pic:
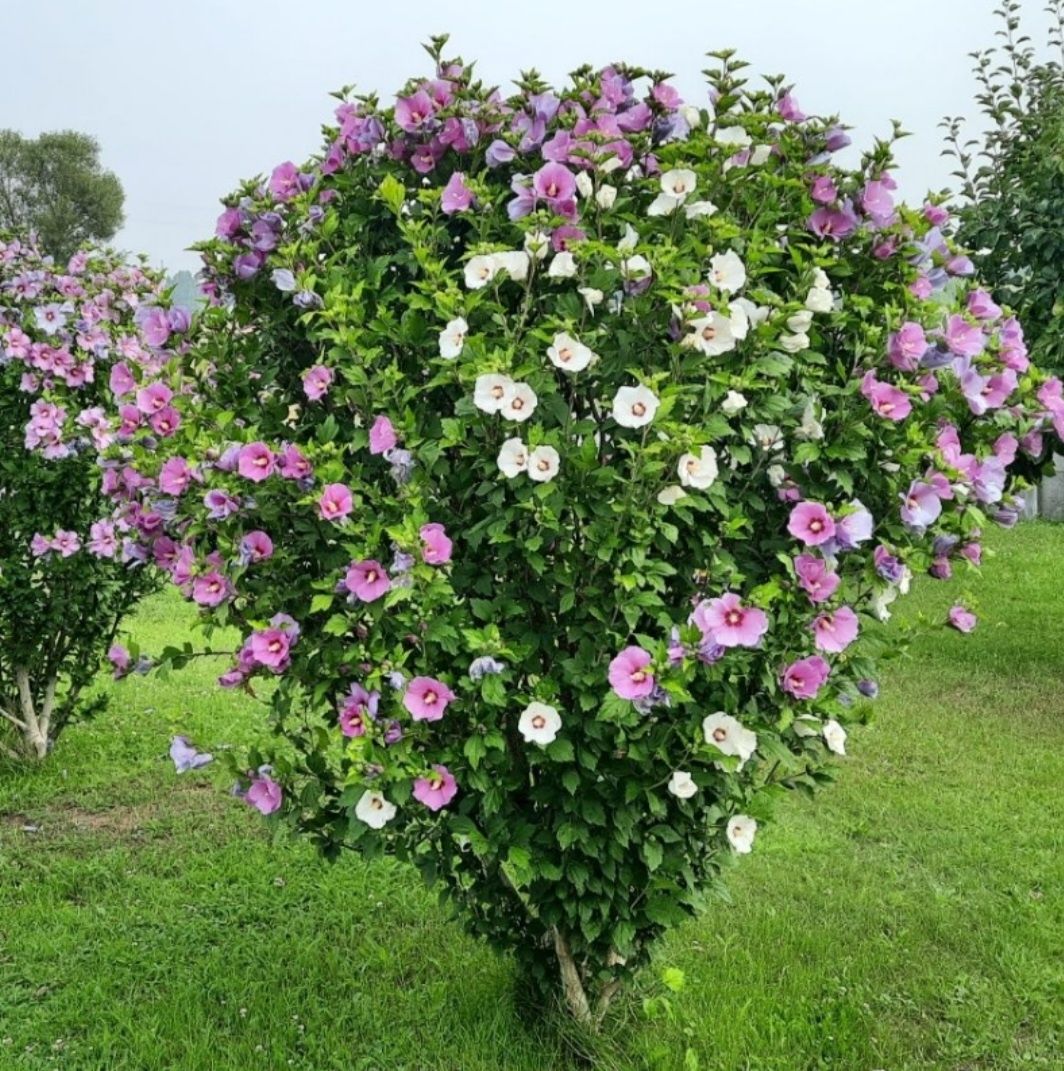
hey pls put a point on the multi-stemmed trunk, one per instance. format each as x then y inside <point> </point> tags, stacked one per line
<point>585,1009</point>
<point>31,716</point>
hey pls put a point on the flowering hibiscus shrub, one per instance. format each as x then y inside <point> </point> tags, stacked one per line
<point>73,340</point>
<point>554,451</point>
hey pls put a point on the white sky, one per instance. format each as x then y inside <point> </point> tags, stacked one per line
<point>187,97</point>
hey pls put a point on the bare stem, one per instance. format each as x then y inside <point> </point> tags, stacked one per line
<point>572,986</point>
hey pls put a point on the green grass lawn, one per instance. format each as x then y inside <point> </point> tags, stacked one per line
<point>911,918</point>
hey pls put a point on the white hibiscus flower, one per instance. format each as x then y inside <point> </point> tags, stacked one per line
<point>881,600</point>
<point>794,343</point>
<point>562,266</point>
<point>768,437</point>
<point>543,464</point>
<point>835,736</point>
<point>480,270</point>
<point>591,296</point>
<point>520,403</point>
<point>669,496</point>
<point>627,243</point>
<point>756,314</point>
<point>452,338</point>
<point>539,723</point>
<point>634,407</point>
<point>515,263</point>
<point>738,320</point>
<point>513,458</point>
<point>676,186</point>
<point>800,322</point>
<point>636,269</point>
<point>699,470</point>
<point>491,391</point>
<point>373,809</point>
<point>733,403</point>
<point>568,354</point>
<point>727,271</point>
<point>606,197</point>
<point>681,785</point>
<point>819,300</point>
<point>734,136</point>
<point>537,244</point>
<point>711,334</point>
<point>699,209</point>
<point>810,428</point>
<point>729,737</point>
<point>776,474</point>
<point>740,830</point>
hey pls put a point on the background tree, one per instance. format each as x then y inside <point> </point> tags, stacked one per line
<point>56,187</point>
<point>67,573</point>
<point>1012,208</point>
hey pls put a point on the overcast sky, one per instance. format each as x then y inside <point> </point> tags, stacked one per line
<point>187,98</point>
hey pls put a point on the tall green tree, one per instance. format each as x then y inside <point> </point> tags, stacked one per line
<point>1012,177</point>
<point>55,186</point>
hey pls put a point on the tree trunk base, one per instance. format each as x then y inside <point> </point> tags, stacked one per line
<point>573,990</point>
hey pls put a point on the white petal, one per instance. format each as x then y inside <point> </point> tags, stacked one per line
<point>520,404</point>
<point>480,270</point>
<point>537,243</point>
<point>514,263</point>
<point>681,785</point>
<point>835,737</point>
<point>568,354</point>
<point>373,809</point>
<point>539,723</point>
<point>699,209</point>
<point>727,271</point>
<point>663,205</point>
<point>733,135</point>
<point>634,407</point>
<point>543,464</point>
<point>562,266</point>
<point>627,243</point>
<point>669,496</point>
<point>740,831</point>
<point>492,391</point>
<point>513,458</point>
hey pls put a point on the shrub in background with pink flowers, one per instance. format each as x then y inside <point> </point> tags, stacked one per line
<point>560,452</point>
<point>83,346</point>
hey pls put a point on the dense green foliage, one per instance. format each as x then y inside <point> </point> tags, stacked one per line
<point>907,919</point>
<point>1012,179</point>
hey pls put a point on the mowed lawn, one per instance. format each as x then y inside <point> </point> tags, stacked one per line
<point>912,917</point>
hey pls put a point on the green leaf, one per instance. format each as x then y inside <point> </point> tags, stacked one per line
<point>392,192</point>
<point>560,750</point>
<point>652,853</point>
